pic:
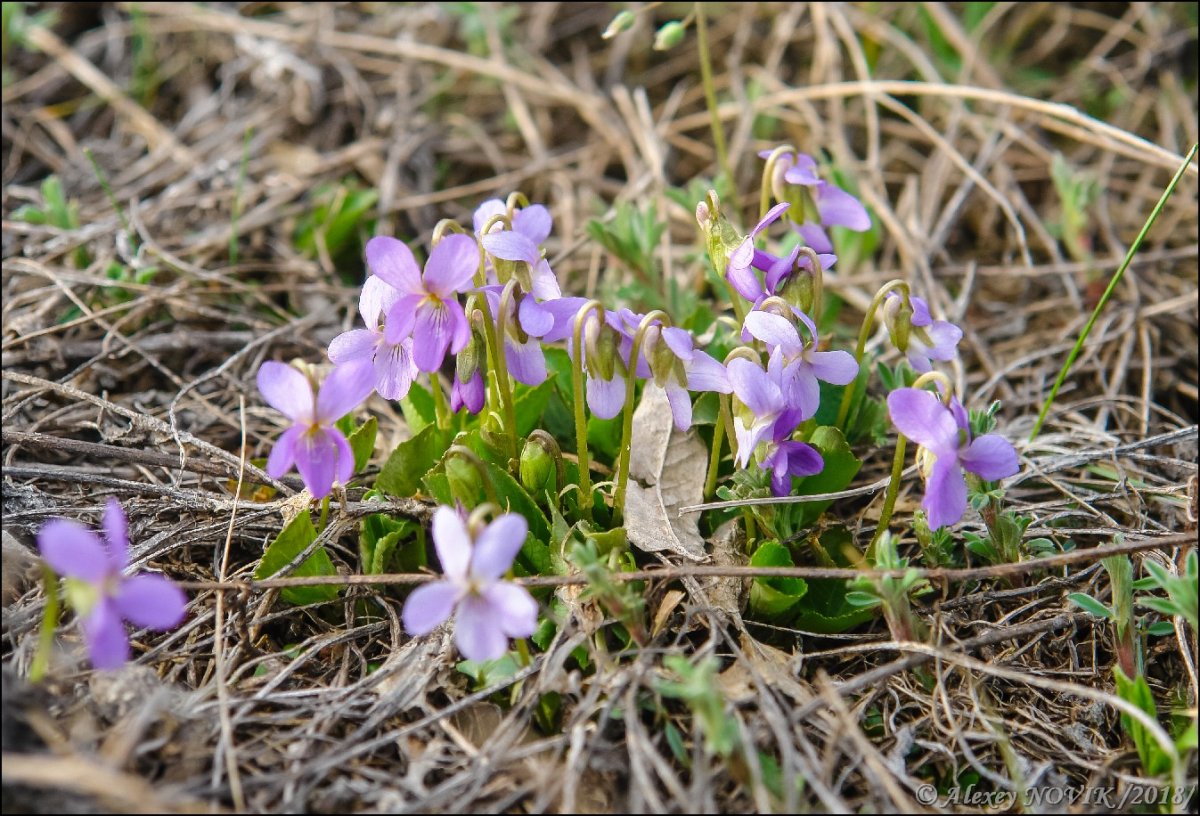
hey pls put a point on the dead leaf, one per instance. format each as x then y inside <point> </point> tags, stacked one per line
<point>666,472</point>
<point>669,602</point>
<point>728,594</point>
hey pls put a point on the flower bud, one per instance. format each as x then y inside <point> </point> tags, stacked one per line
<point>622,22</point>
<point>602,351</point>
<point>537,469</point>
<point>898,319</point>
<point>797,290</point>
<point>669,35</point>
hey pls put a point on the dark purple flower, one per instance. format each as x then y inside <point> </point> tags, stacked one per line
<point>427,307</point>
<point>100,592</point>
<point>393,363</point>
<point>489,610</point>
<point>471,393</point>
<point>318,450</point>
<point>818,204</point>
<point>785,459</point>
<point>803,365</point>
<point>944,435</point>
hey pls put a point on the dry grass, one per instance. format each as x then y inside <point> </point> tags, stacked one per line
<point>145,390</point>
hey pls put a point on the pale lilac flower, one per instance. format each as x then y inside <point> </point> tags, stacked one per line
<point>522,244</point>
<point>606,365</point>
<point>928,339</point>
<point>427,307</point>
<point>803,364</point>
<point>489,610</point>
<point>945,436</point>
<point>318,450</point>
<point>746,259</point>
<point>522,350</point>
<point>392,363</point>
<point>100,592</point>
<point>678,367</point>
<point>819,203</point>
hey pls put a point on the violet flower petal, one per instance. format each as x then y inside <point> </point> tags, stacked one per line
<point>104,632</point>
<point>680,342</point>
<point>451,265</point>
<point>486,211</point>
<point>287,391</point>
<point>394,370</point>
<point>945,493</point>
<point>452,543</point>
<point>535,319</point>
<point>497,546</point>
<point>814,235</point>
<point>534,222</point>
<point>839,208</point>
<point>774,330</point>
<point>151,601</point>
<point>922,417</point>
<point>990,457</point>
<point>401,317</point>
<point>526,361</point>
<point>606,398</point>
<point>344,389</point>
<point>836,367</point>
<point>704,373</point>
<point>477,630</point>
<point>945,337</point>
<point>681,405</point>
<point>433,332</point>
<point>512,246</point>
<point>393,262</point>
<point>429,606</point>
<point>344,453</point>
<point>375,300</point>
<point>353,345</point>
<point>73,550</point>
<point>316,459</point>
<point>515,610</point>
<point>116,535</point>
<point>753,387</point>
<point>803,171</point>
<point>283,455</point>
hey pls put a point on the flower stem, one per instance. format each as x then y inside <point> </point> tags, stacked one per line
<point>658,315</point>
<point>440,409</point>
<point>889,498</point>
<point>714,458</point>
<point>523,652</point>
<point>710,92</point>
<point>936,376</point>
<point>764,196</point>
<point>41,658</point>
<point>324,519</point>
<point>581,448</point>
<point>863,334</point>
<point>506,397</point>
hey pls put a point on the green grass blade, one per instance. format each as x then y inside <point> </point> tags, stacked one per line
<point>1112,285</point>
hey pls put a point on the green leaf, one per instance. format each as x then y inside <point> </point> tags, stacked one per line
<point>412,459</point>
<point>1160,629</point>
<point>1137,691</point>
<point>604,436</point>
<point>29,213</point>
<point>841,466</point>
<point>528,405</point>
<point>773,597</point>
<point>418,409</point>
<point>287,545</point>
<point>362,442</point>
<point>1090,605</point>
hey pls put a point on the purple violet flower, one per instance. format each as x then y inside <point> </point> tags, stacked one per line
<point>945,437</point>
<point>819,203</point>
<point>803,364</point>
<point>471,393</point>
<point>522,244</point>
<point>489,610</point>
<point>745,259</point>
<point>522,350</point>
<point>318,450</point>
<point>928,339</point>
<point>763,394</point>
<point>678,367</point>
<point>99,591</point>
<point>785,459</point>
<point>392,363</point>
<point>427,307</point>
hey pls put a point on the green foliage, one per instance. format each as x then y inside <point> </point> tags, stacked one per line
<point>384,540</point>
<point>286,547</point>
<point>697,687</point>
<point>632,236</point>
<point>473,28</point>
<point>1155,761</point>
<point>623,600</point>
<point>362,442</point>
<point>891,594</point>
<point>1181,590</point>
<point>412,459</point>
<point>1077,192</point>
<point>418,409</point>
<point>771,598</point>
<point>337,220</point>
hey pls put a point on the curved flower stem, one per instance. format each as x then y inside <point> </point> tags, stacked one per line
<point>658,315</point>
<point>324,519</point>
<point>863,334</point>
<point>714,458</point>
<point>581,448</point>
<point>936,376</point>
<point>470,457</point>
<point>727,422</point>
<point>441,228</point>
<point>506,397</point>
<point>41,658</point>
<point>710,92</point>
<point>818,275</point>
<point>764,196</point>
<point>515,199</point>
<point>481,315</point>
